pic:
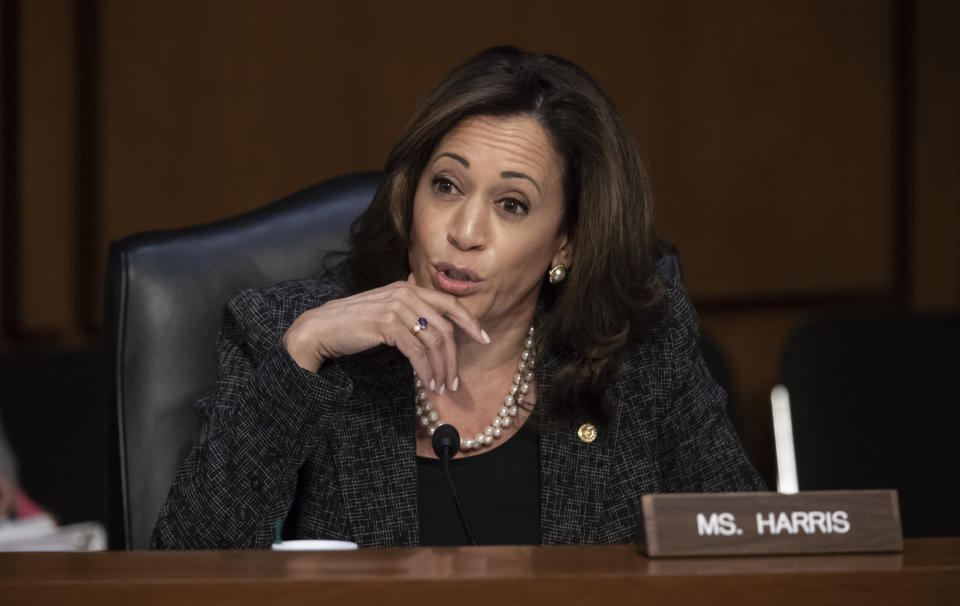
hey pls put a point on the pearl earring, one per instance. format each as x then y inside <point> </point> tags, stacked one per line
<point>557,273</point>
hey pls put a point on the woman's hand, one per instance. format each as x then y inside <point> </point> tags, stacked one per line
<point>386,316</point>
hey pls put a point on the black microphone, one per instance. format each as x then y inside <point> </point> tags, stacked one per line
<point>446,443</point>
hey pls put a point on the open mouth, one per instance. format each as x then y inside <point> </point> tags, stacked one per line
<point>456,274</point>
<point>460,274</point>
<point>456,281</point>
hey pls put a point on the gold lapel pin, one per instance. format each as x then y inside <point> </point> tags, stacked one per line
<point>587,433</point>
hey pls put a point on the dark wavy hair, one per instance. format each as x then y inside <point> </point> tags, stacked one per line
<point>611,287</point>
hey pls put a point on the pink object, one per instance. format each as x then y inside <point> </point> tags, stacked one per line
<point>24,505</point>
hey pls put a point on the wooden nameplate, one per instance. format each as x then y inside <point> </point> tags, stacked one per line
<point>752,523</point>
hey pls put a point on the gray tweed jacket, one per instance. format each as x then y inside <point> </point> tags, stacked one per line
<point>335,450</point>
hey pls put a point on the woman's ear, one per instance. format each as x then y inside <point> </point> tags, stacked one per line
<point>564,253</point>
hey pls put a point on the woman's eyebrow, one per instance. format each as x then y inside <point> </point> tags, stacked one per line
<point>456,157</point>
<point>509,174</point>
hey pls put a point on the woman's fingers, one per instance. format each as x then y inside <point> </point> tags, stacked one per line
<point>406,317</point>
<point>441,342</point>
<point>450,307</point>
<point>411,347</point>
<point>432,300</point>
<point>388,315</point>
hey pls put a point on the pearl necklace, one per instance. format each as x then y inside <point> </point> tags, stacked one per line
<point>430,419</point>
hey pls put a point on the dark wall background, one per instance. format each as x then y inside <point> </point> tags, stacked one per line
<point>804,154</point>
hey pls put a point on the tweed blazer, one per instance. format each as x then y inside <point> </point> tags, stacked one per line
<point>334,452</point>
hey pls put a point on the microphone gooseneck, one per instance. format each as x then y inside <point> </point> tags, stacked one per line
<point>446,442</point>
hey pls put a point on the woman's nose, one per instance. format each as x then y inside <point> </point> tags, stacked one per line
<point>468,225</point>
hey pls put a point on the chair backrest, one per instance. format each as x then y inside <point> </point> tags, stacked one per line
<point>874,403</point>
<point>165,292</point>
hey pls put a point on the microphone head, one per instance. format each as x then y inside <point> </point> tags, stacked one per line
<point>446,441</point>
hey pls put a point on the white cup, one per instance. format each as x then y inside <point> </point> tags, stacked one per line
<point>313,545</point>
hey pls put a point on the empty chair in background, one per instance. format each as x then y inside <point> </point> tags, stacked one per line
<point>874,405</point>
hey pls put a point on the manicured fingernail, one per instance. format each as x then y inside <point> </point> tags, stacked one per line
<point>486,337</point>
<point>433,385</point>
<point>443,387</point>
<point>455,384</point>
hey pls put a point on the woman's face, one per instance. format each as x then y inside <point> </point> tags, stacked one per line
<point>486,214</point>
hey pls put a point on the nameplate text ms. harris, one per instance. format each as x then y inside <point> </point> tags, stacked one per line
<point>750,523</point>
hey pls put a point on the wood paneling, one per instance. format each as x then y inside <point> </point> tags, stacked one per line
<point>47,186</point>
<point>9,164</point>
<point>772,120</point>
<point>937,157</point>
<point>776,125</point>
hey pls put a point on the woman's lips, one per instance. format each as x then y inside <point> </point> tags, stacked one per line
<point>459,288</point>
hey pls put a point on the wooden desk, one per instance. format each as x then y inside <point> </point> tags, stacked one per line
<point>928,572</point>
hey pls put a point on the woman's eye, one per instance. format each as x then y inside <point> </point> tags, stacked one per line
<point>514,206</point>
<point>444,186</point>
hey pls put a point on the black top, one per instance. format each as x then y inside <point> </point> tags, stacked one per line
<point>499,490</point>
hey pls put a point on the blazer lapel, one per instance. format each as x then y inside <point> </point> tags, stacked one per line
<point>376,456</point>
<point>573,470</point>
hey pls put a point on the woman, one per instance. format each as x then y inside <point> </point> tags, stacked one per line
<point>502,281</point>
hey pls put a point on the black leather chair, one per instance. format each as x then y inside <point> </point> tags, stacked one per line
<point>874,404</point>
<point>165,292</point>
